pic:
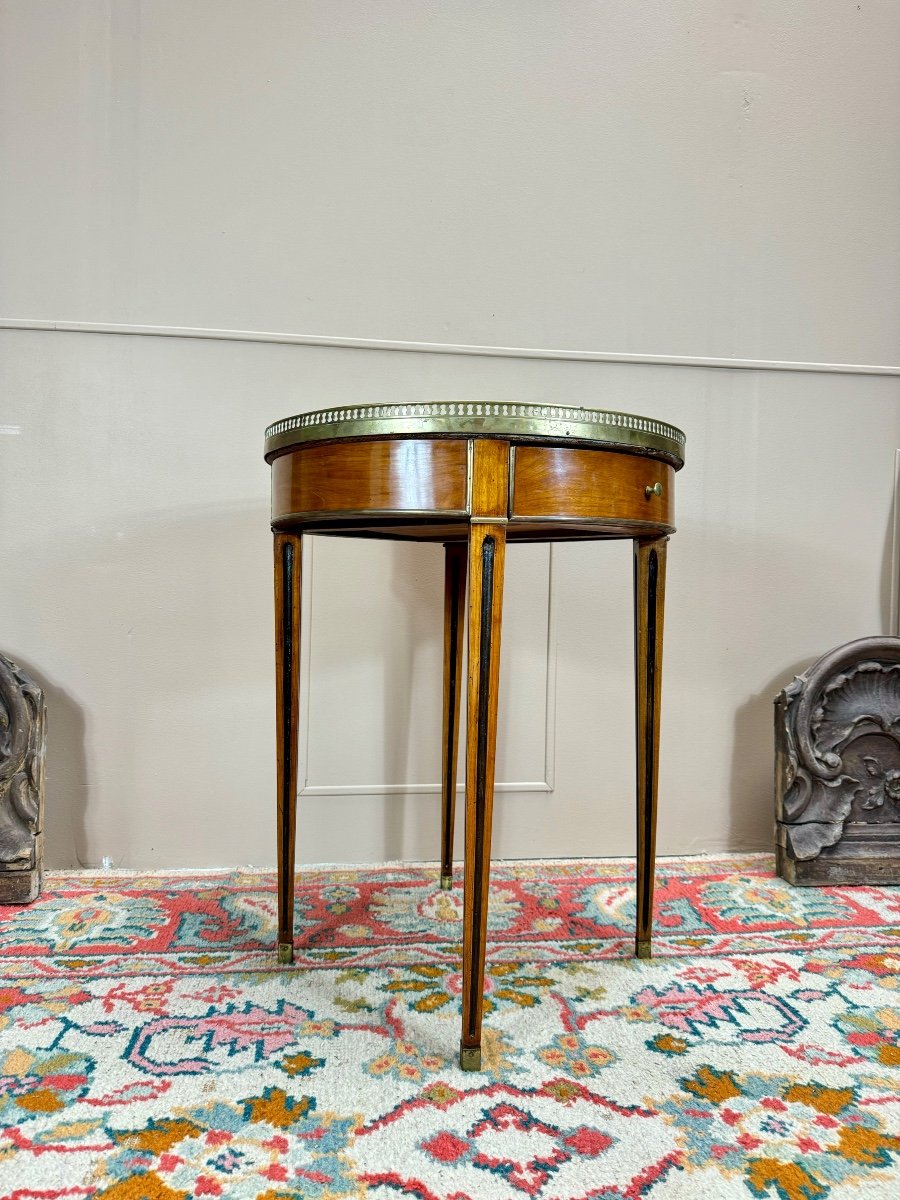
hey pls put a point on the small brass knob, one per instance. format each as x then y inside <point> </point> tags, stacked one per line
<point>654,490</point>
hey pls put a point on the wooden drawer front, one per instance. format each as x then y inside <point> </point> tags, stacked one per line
<point>414,475</point>
<point>552,481</point>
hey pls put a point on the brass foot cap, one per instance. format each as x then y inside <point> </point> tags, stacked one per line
<point>470,1058</point>
<point>446,883</point>
<point>642,949</point>
<point>285,952</point>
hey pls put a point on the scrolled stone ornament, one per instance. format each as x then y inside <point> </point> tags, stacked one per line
<point>837,767</point>
<point>22,742</point>
<point>888,787</point>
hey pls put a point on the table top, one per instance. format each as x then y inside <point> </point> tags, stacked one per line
<point>530,423</point>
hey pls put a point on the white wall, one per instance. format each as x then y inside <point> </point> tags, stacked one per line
<point>690,180</point>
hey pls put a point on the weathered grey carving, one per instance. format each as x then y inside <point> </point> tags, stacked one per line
<point>23,726</point>
<point>837,767</point>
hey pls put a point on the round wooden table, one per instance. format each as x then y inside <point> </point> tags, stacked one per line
<point>474,476</point>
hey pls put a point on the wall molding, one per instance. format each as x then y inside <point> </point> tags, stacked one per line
<point>305,789</point>
<point>406,347</point>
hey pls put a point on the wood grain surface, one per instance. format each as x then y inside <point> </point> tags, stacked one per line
<point>490,478</point>
<point>415,475</point>
<point>288,556</point>
<point>487,552</point>
<point>562,481</point>
<point>649,603</point>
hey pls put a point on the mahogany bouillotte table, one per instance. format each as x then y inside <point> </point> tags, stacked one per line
<point>474,476</point>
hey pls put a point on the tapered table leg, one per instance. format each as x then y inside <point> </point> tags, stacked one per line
<point>487,549</point>
<point>288,548</point>
<point>649,597</point>
<point>454,619</point>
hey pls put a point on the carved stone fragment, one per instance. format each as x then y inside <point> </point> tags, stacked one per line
<point>23,723</point>
<point>837,767</point>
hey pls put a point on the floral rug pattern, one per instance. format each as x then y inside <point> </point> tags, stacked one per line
<point>151,1048</point>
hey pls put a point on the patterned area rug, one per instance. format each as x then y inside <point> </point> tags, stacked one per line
<point>152,1049</point>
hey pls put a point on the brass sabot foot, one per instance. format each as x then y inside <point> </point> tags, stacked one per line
<point>470,1058</point>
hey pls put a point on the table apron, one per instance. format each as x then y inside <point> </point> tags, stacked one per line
<point>428,478</point>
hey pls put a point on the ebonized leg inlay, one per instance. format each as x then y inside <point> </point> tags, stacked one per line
<point>287,649</point>
<point>484,684</point>
<point>454,601</point>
